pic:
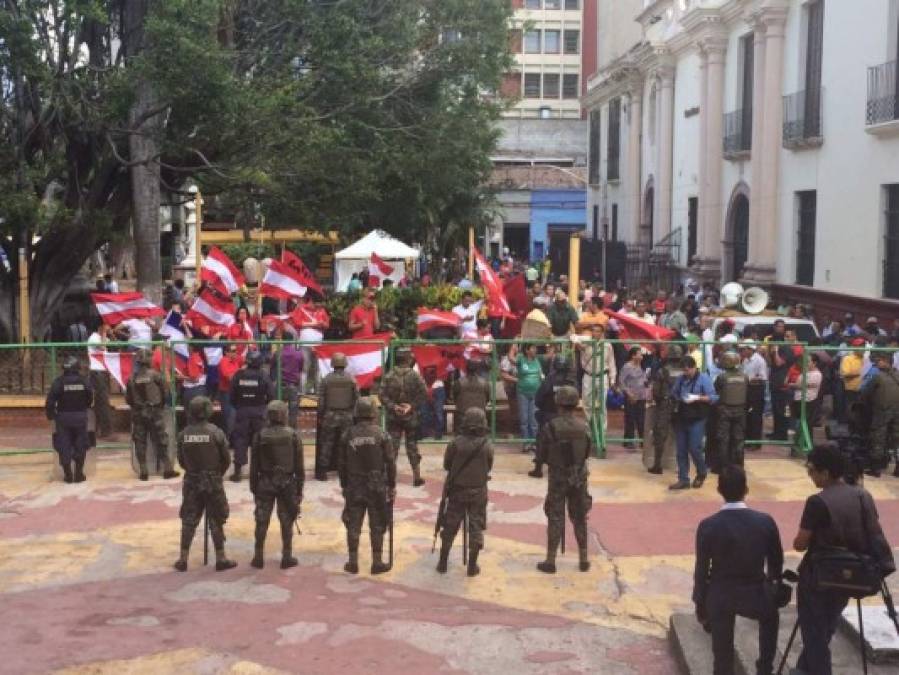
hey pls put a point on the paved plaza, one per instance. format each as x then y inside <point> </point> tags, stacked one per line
<point>87,584</point>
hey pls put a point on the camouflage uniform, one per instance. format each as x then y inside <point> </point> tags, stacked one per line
<point>881,395</point>
<point>203,454</point>
<point>337,400</point>
<point>733,388</point>
<point>664,406</point>
<point>145,395</point>
<point>545,400</point>
<point>403,385</point>
<point>468,461</point>
<point>564,444</point>
<point>276,475</point>
<point>67,403</point>
<point>470,391</point>
<point>367,469</point>
<point>251,390</point>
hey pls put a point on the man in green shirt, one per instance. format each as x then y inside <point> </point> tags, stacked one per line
<point>562,316</point>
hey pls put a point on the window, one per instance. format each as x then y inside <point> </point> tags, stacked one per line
<point>614,148</point>
<point>595,222</point>
<point>551,39</point>
<point>747,44</point>
<point>572,4</point>
<point>551,85</point>
<point>813,58</point>
<point>532,85</point>
<point>692,228</point>
<point>570,87</point>
<point>891,243</point>
<point>595,138</point>
<point>614,222</point>
<point>532,42</point>
<point>572,41</point>
<point>552,4</point>
<point>532,4</point>
<point>805,250</point>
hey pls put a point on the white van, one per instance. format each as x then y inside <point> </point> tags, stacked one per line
<point>763,325</point>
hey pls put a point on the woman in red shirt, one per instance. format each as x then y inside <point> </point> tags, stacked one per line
<point>241,330</point>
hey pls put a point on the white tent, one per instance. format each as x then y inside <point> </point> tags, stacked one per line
<point>355,257</point>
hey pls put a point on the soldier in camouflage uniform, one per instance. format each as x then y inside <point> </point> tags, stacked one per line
<point>471,391</point>
<point>561,375</point>
<point>367,470</point>
<point>337,399</point>
<point>881,394</point>
<point>203,454</point>
<point>662,382</point>
<point>402,392</point>
<point>564,444</point>
<point>733,389</point>
<point>276,475</point>
<point>468,462</point>
<point>145,395</point>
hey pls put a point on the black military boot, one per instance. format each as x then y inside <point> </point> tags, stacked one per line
<point>221,562</point>
<point>170,473</point>
<point>896,468</point>
<point>187,536</point>
<point>258,560</point>
<point>378,566</point>
<point>443,563</point>
<point>352,565</point>
<point>473,569</point>
<point>143,474</point>
<point>67,472</point>
<point>537,471</point>
<point>656,467</point>
<point>79,471</point>
<point>417,480</point>
<point>584,560</point>
<point>548,566</point>
<point>287,558</point>
<point>235,477</point>
<point>181,563</point>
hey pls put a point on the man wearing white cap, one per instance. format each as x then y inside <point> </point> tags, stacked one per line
<point>756,369</point>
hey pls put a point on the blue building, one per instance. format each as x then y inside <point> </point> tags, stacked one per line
<point>555,214</point>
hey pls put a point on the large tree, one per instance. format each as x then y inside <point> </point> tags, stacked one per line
<point>314,113</point>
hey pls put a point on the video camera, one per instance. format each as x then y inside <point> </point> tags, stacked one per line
<point>852,441</point>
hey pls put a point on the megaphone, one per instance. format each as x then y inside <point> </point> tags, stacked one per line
<point>731,294</point>
<point>755,300</point>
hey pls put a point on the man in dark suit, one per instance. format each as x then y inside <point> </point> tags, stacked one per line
<point>738,554</point>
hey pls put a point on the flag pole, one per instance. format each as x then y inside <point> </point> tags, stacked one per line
<point>471,247</point>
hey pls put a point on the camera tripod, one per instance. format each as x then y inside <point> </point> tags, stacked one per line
<point>891,612</point>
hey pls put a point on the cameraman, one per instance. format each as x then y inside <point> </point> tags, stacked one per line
<point>831,519</point>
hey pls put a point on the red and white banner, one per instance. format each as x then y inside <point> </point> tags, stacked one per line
<point>117,307</point>
<point>445,358</point>
<point>378,270</point>
<point>632,328</point>
<point>497,304</point>
<point>436,318</point>
<point>281,282</point>
<point>294,262</point>
<point>211,314</point>
<point>218,270</point>
<point>119,364</point>
<point>363,360</point>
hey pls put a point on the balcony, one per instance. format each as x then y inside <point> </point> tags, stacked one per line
<point>802,123</point>
<point>882,111</point>
<point>738,134</point>
<point>613,171</point>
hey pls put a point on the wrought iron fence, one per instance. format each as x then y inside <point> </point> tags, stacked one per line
<point>737,133</point>
<point>802,120</point>
<point>883,93</point>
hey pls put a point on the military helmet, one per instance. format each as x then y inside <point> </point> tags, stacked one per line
<point>276,412</point>
<point>474,420</point>
<point>70,364</point>
<point>567,397</point>
<point>675,353</point>
<point>200,408</point>
<point>339,360</point>
<point>560,363</point>
<point>730,360</point>
<point>254,359</point>
<point>403,356</point>
<point>144,357</point>
<point>365,408</point>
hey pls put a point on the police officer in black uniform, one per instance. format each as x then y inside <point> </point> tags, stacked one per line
<point>561,375</point>
<point>67,403</point>
<point>251,390</point>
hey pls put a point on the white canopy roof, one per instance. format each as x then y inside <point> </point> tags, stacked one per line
<point>379,243</point>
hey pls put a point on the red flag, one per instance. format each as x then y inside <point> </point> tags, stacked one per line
<point>210,314</point>
<point>118,364</point>
<point>436,318</point>
<point>281,281</point>
<point>631,328</point>
<point>440,357</point>
<point>497,304</point>
<point>218,270</point>
<point>517,294</point>
<point>294,262</point>
<point>114,308</point>
<point>378,270</point>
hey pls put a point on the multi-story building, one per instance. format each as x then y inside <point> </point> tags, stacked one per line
<point>750,139</point>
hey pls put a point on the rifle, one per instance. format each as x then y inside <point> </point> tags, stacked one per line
<point>465,539</point>
<point>390,533</point>
<point>205,538</point>
<point>441,511</point>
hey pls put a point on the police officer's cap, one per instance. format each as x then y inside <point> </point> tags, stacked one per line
<point>567,397</point>
<point>276,411</point>
<point>70,364</point>
<point>338,360</point>
<point>474,420</point>
<point>200,408</point>
<point>254,359</point>
<point>365,408</point>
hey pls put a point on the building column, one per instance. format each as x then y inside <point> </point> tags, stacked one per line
<point>764,264</point>
<point>634,155</point>
<point>666,149</point>
<point>756,233</point>
<point>698,259</point>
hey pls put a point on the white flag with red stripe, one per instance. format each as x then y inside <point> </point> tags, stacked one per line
<point>497,304</point>
<point>363,360</point>
<point>436,318</point>
<point>210,313</point>
<point>282,282</point>
<point>218,270</point>
<point>378,270</point>
<point>118,364</point>
<point>117,307</point>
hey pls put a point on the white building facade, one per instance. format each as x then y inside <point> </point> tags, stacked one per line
<point>750,139</point>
